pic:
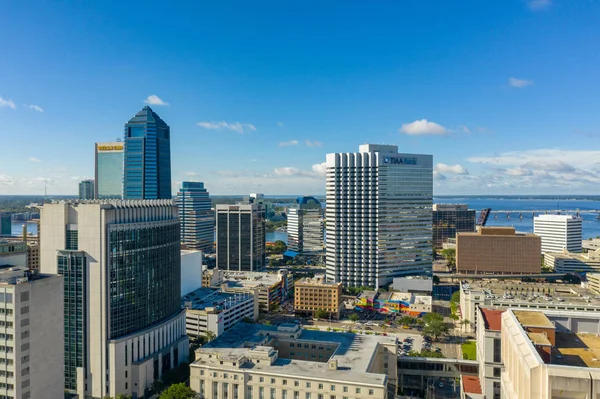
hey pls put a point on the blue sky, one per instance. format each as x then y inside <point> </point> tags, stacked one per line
<point>504,93</point>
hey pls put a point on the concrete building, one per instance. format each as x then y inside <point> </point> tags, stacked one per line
<point>498,250</point>
<point>240,237</point>
<point>550,355</point>
<point>124,325</point>
<point>591,244</point>
<point>378,215</point>
<point>285,361</point>
<point>109,170</point>
<point>489,351</point>
<point>86,190</point>
<point>394,302</point>
<point>196,216</point>
<point>271,288</point>
<point>13,253</point>
<point>593,282</point>
<point>305,226</point>
<point>312,294</point>
<point>191,271</point>
<point>147,157</point>
<point>31,329</point>
<point>211,309</point>
<point>519,295</point>
<point>558,232</point>
<point>571,262</point>
<point>414,284</point>
<point>449,219</point>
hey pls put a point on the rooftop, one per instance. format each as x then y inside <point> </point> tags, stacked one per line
<point>577,350</point>
<point>19,274</point>
<point>557,217</point>
<point>492,319</point>
<point>529,318</point>
<point>593,255</point>
<point>471,384</point>
<point>213,298</point>
<point>319,279</point>
<point>353,353</point>
<point>495,231</point>
<point>539,338</point>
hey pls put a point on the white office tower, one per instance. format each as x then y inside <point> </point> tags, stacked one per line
<point>558,232</point>
<point>305,226</point>
<point>31,330</point>
<point>379,207</point>
<point>121,264</point>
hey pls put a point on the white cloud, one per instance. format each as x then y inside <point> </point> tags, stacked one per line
<point>155,100</point>
<point>320,168</point>
<point>6,180</point>
<point>235,127</point>
<point>7,103</point>
<point>317,172</point>
<point>288,143</point>
<point>422,127</point>
<point>465,129</point>
<point>437,176</point>
<point>519,83</point>
<point>280,124</point>
<point>541,157</point>
<point>191,174</point>
<point>314,143</point>
<point>454,169</point>
<point>34,107</point>
<point>34,160</point>
<point>536,5</point>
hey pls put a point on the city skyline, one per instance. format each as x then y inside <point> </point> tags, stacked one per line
<point>500,94</point>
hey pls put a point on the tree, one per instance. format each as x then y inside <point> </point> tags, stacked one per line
<point>455,297</point>
<point>321,314</point>
<point>210,335</point>
<point>274,308</point>
<point>178,391</point>
<point>406,321</point>
<point>434,326</point>
<point>436,280</point>
<point>354,317</point>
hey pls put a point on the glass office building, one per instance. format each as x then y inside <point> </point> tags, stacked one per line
<point>378,215</point>
<point>196,216</point>
<point>449,219</point>
<point>5,223</point>
<point>86,190</point>
<point>305,226</point>
<point>147,160</point>
<point>109,170</point>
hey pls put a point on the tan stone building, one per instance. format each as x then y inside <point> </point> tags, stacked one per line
<point>312,294</point>
<point>498,250</point>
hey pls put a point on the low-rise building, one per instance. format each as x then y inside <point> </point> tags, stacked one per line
<point>494,293</point>
<point>550,355</point>
<point>413,284</point>
<point>591,244</point>
<point>489,354</point>
<point>498,250</point>
<point>31,330</point>
<point>394,302</point>
<point>210,309</point>
<point>285,361</point>
<point>470,388</point>
<point>593,282</point>
<point>272,288</point>
<point>312,294</point>
<point>571,262</point>
<point>13,253</point>
<point>559,232</point>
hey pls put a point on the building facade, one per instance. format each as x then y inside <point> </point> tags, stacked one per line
<point>449,219</point>
<point>571,262</point>
<point>147,157</point>
<point>109,170</point>
<point>240,237</point>
<point>558,232</point>
<point>124,325</point>
<point>378,215</point>
<point>196,216</point>
<point>209,309</point>
<point>191,270</point>
<point>489,351</point>
<point>5,224</point>
<point>31,329</point>
<point>286,362</point>
<point>305,226</point>
<point>498,250</point>
<point>313,294</point>
<point>86,190</point>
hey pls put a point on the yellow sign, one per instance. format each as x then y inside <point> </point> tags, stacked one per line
<point>110,148</point>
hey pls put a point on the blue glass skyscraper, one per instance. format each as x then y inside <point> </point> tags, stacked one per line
<point>147,160</point>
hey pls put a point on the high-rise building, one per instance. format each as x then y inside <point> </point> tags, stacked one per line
<point>305,226</point>
<point>109,170</point>
<point>5,224</point>
<point>32,334</point>
<point>378,215</point>
<point>240,237</point>
<point>558,232</point>
<point>147,160</point>
<point>196,216</point>
<point>124,325</point>
<point>86,190</point>
<point>449,219</point>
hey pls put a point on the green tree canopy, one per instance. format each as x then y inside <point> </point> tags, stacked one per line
<point>321,314</point>
<point>178,391</point>
<point>354,317</point>
<point>434,326</point>
<point>406,321</point>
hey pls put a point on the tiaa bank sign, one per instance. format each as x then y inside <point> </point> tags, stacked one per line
<point>400,161</point>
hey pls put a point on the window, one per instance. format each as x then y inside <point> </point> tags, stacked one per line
<point>345,389</point>
<point>225,390</point>
<point>497,371</point>
<point>235,391</point>
<point>284,394</point>
<point>284,382</point>
<point>497,350</point>
<point>261,393</point>
<point>357,390</point>
<point>261,379</point>
<point>215,390</point>
<point>296,383</point>
<point>307,395</point>
<point>272,393</point>
<point>249,391</point>
<point>497,390</point>
<point>320,386</point>
<point>333,387</point>
<point>308,384</point>
<point>272,380</point>
<point>371,392</point>
<point>296,395</point>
